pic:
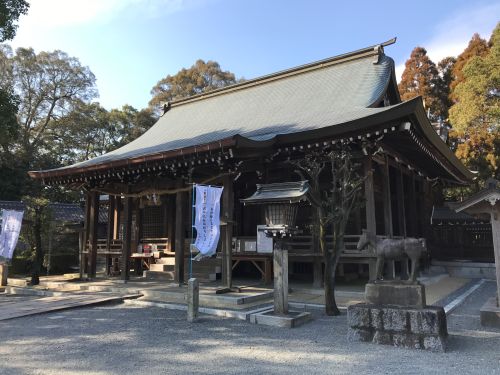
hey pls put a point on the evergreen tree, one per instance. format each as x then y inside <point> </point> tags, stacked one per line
<point>475,116</point>
<point>445,70</point>
<point>201,77</point>
<point>476,47</point>
<point>421,78</point>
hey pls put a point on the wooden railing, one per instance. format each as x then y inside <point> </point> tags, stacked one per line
<point>115,247</point>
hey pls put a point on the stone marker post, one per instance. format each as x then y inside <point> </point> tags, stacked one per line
<point>4,270</point>
<point>280,265</point>
<point>193,299</point>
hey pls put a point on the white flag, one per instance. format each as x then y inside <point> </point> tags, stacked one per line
<point>207,220</point>
<point>11,226</point>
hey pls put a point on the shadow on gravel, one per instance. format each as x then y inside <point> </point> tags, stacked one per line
<point>128,340</point>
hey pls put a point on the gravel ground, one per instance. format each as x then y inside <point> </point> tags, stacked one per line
<point>122,339</point>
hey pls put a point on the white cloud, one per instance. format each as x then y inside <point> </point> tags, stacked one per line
<point>454,33</point>
<point>57,15</point>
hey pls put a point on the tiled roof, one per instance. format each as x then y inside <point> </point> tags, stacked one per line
<point>313,98</point>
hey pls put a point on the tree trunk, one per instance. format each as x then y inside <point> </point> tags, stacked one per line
<point>37,261</point>
<point>331,307</point>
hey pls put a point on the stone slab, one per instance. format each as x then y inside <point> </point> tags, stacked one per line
<point>395,293</point>
<point>291,320</point>
<point>490,314</point>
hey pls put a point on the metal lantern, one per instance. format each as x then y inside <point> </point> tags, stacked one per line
<point>281,200</point>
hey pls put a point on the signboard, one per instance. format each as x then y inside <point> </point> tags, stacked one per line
<point>264,243</point>
<point>207,219</point>
<point>11,226</point>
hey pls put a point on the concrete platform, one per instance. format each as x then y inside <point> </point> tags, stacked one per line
<point>11,306</point>
<point>490,314</point>
<point>291,320</point>
<point>471,270</point>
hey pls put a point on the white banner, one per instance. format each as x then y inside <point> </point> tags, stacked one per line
<point>207,219</point>
<point>11,226</point>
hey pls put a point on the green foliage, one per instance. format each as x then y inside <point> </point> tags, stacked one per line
<point>9,129</point>
<point>38,217</point>
<point>49,85</point>
<point>476,47</point>
<point>475,116</point>
<point>200,78</point>
<point>10,11</point>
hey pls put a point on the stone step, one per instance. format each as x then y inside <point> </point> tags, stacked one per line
<point>155,275</point>
<point>166,260</point>
<point>161,267</point>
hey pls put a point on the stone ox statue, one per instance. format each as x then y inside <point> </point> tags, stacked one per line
<point>391,248</point>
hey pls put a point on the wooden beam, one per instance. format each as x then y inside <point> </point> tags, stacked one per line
<point>127,240</point>
<point>94,223</point>
<point>227,238</point>
<point>386,195</point>
<point>371,224</point>
<point>180,206</point>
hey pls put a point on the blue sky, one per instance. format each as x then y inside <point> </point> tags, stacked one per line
<point>131,44</point>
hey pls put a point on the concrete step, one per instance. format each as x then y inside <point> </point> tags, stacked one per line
<point>202,276</point>
<point>155,275</point>
<point>166,260</point>
<point>161,267</point>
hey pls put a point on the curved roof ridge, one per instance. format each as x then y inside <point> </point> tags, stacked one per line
<point>374,50</point>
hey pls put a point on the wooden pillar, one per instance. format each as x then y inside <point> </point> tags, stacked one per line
<point>401,202</point>
<point>386,195</point>
<point>110,231</point>
<point>85,237</point>
<point>127,240</point>
<point>116,219</point>
<point>171,221</point>
<point>412,203</point>
<point>180,206</point>
<point>495,231</point>
<point>94,223</point>
<point>371,224</point>
<point>227,238</point>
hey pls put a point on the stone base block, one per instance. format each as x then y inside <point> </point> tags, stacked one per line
<point>490,314</point>
<point>395,293</point>
<point>290,320</point>
<point>407,327</point>
<point>4,271</point>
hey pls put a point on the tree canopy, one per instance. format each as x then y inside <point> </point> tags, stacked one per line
<point>475,116</point>
<point>476,47</point>
<point>421,78</point>
<point>199,78</point>
<point>10,11</point>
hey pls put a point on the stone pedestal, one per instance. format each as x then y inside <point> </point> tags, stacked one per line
<point>490,314</point>
<point>4,271</point>
<point>392,293</point>
<point>396,315</point>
